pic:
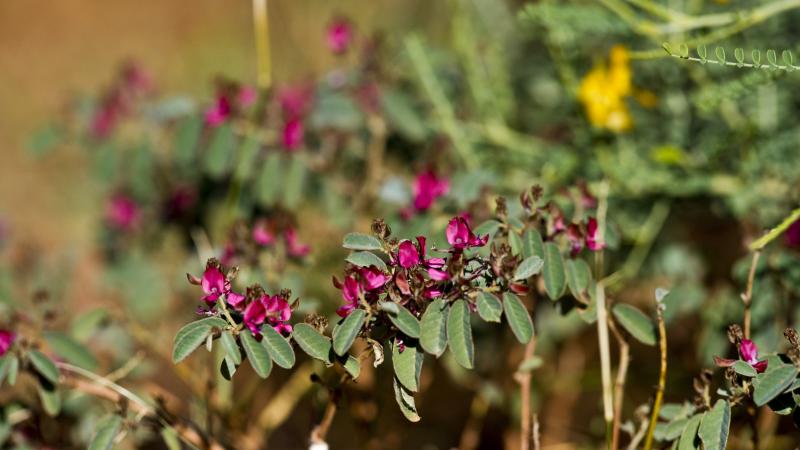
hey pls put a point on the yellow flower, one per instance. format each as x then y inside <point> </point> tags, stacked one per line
<point>604,89</point>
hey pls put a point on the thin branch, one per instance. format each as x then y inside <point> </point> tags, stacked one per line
<point>320,432</point>
<point>662,377</point>
<point>777,231</point>
<point>526,415</point>
<point>261,28</point>
<point>619,385</point>
<point>747,297</point>
<point>605,359</point>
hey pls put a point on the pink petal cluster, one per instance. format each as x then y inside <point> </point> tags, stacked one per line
<point>366,281</point>
<point>339,36</point>
<point>293,134</point>
<point>578,238</point>
<point>271,309</point>
<point>295,102</point>
<point>132,83</point>
<point>7,339</point>
<point>427,188</point>
<point>262,234</point>
<point>123,213</point>
<point>460,236</point>
<point>294,247</point>
<point>748,351</point>
<point>229,100</point>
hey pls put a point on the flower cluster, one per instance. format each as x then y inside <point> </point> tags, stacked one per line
<point>131,84</point>
<point>295,104</point>
<point>231,99</point>
<point>339,36</point>
<point>253,309</point>
<point>245,242</point>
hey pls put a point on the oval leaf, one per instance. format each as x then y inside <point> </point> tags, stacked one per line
<point>71,350</point>
<point>529,267</point>
<point>278,347</point>
<point>270,179</point>
<point>360,241</point>
<point>192,336</point>
<point>578,277</point>
<point>231,347</point>
<point>744,369</point>
<point>459,334</point>
<point>515,242</point>
<point>44,366</point>
<point>366,259</point>
<point>257,354</point>
<point>771,383</point>
<point>433,328</point>
<point>407,364</point>
<point>51,400</point>
<point>532,244</point>
<point>316,345</point>
<point>554,278</point>
<point>688,439</point>
<point>346,332</point>
<point>636,323</point>
<point>107,430</point>
<point>518,318</point>
<point>490,308</point>
<point>353,366</point>
<point>715,425</point>
<point>405,321</point>
<point>405,400</point>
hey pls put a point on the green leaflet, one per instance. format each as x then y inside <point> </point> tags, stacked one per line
<point>529,267</point>
<point>408,363</point>
<point>579,276</point>
<point>433,328</point>
<point>107,430</point>
<point>515,242</point>
<point>278,347</point>
<point>518,318</point>
<point>353,366</point>
<point>405,321</point>
<point>316,345</point>
<point>186,138</point>
<point>270,180</point>
<point>489,227</point>
<point>360,241</point>
<point>744,369</point>
<point>771,383</point>
<point>490,308</point>
<point>532,244</point>
<point>193,335</point>
<point>636,323</point>
<point>405,400</point>
<point>459,334</point>
<point>688,439</point>
<point>257,354</point>
<point>51,399</point>
<point>366,259</point>
<point>71,350</point>
<point>230,347</point>
<point>715,425</point>
<point>219,154</point>
<point>44,366</point>
<point>553,273</point>
<point>345,333</point>
<point>295,180</point>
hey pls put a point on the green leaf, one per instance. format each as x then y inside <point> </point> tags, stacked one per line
<point>270,179</point>
<point>257,354</point>
<point>720,52</point>
<point>744,369</point>
<point>515,242</point>
<point>171,439</point>
<point>278,347</point>
<point>51,400</point>
<point>86,324</point>
<point>772,57</point>
<point>433,328</point>
<point>360,241</point>
<point>353,366</point>
<point>529,267</point>
<point>71,350</point>
<point>518,318</point>
<point>636,323</point>
<point>228,368</point>
<point>45,139</point>
<point>248,152</point>
<point>44,366</point>
<point>345,333</point>
<point>316,345</point>
<point>715,425</point>
<point>5,366</point>
<point>405,400</point>
<point>554,278</point>
<point>107,431</point>
<point>532,244</point>
<point>12,370</point>
<point>192,336</point>
<point>230,347</point>
<point>489,227</point>
<point>219,154</point>
<point>688,439</point>
<point>771,383</point>
<point>459,334</point>
<point>490,308</point>
<point>738,53</point>
<point>405,321</point>
<point>186,138</point>
<point>295,179</point>
<point>366,259</point>
<point>401,115</point>
<point>407,364</point>
<point>578,277</point>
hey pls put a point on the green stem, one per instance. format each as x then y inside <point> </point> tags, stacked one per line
<point>261,31</point>
<point>775,232</point>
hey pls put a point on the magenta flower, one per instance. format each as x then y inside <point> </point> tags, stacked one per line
<point>7,339</point>
<point>592,241</point>
<point>428,188</point>
<point>295,101</point>
<point>339,36</point>
<point>214,284</point>
<point>262,234</point>
<point>293,245</point>
<point>219,112</point>
<point>122,213</point>
<point>351,293</point>
<point>410,255</point>
<point>247,96</point>
<point>372,278</point>
<point>236,300</point>
<point>254,316</point>
<point>136,79</point>
<point>293,134</point>
<point>575,237</point>
<point>749,353</point>
<point>369,284</point>
<point>407,254</point>
<point>460,236</point>
<point>278,312</point>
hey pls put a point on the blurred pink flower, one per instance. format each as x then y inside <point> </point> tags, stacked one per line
<point>293,134</point>
<point>749,352</point>
<point>214,284</point>
<point>219,112</point>
<point>295,101</point>
<point>427,188</point>
<point>247,96</point>
<point>262,234</point>
<point>293,245</point>
<point>123,213</point>
<point>792,238</point>
<point>592,241</point>
<point>339,36</point>
<point>7,339</point>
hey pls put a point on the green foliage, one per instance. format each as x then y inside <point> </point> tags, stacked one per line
<point>359,241</point>
<point>489,307</point>
<point>518,318</point>
<point>529,267</point>
<point>405,321</point>
<point>278,347</point>
<point>346,331</point>
<point>366,259</point>
<point>44,366</point>
<point>554,277</point>
<point>459,334</point>
<point>257,354</point>
<point>106,432</point>
<point>194,335</point>
<point>407,363</point>
<point>771,383</point>
<point>71,350</point>
<point>636,323</point>
<point>314,344</point>
<point>433,328</point>
<point>715,426</point>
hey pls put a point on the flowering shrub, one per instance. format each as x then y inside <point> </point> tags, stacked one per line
<point>498,319</point>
